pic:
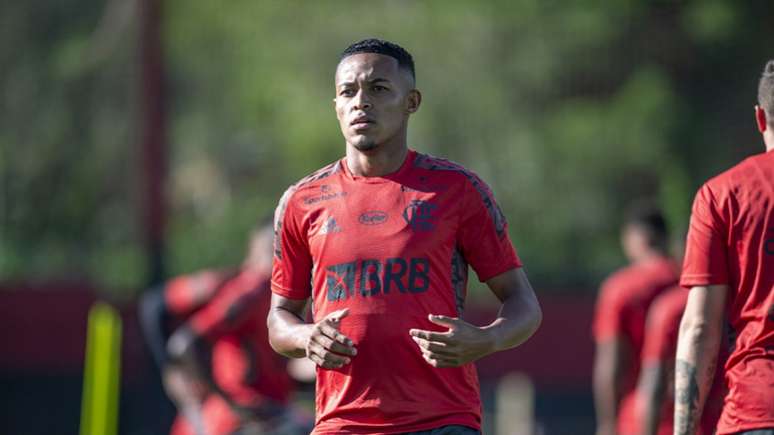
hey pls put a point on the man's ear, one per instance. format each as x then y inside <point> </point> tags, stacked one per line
<point>414,100</point>
<point>760,119</point>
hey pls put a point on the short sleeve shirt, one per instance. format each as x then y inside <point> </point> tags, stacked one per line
<point>621,311</point>
<point>731,241</point>
<point>660,348</point>
<point>392,250</point>
<point>187,293</point>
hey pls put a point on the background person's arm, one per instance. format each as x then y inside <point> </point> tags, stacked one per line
<point>186,375</point>
<point>180,384</point>
<point>656,379</point>
<point>697,349</point>
<point>610,360</point>
<point>185,383</point>
<point>651,388</point>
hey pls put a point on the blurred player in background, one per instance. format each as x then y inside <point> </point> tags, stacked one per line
<point>729,267</point>
<point>655,389</point>
<point>207,332</point>
<point>619,320</point>
<point>381,241</point>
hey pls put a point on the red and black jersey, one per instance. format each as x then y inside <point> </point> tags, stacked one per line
<point>392,249</point>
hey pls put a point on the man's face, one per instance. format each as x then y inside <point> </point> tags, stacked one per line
<point>634,241</point>
<point>374,98</point>
<point>260,249</point>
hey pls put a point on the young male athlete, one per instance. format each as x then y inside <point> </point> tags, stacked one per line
<point>729,267</point>
<point>217,365</point>
<point>381,241</point>
<point>619,320</point>
<point>655,388</point>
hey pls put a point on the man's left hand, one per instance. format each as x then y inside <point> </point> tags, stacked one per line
<point>461,344</point>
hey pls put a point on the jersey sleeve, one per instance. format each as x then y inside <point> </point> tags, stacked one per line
<point>292,266</point>
<point>705,252</point>
<point>228,310</point>
<point>483,236</point>
<point>661,331</point>
<point>610,312</point>
<point>185,294</point>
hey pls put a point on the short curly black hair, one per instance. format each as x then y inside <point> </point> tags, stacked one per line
<point>387,48</point>
<point>766,91</point>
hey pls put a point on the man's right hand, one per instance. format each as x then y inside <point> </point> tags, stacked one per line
<point>326,345</point>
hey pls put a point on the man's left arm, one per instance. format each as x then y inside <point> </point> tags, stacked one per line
<point>519,317</point>
<point>651,387</point>
<point>697,349</point>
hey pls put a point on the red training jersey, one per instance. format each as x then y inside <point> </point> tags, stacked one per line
<point>660,348</point>
<point>217,418</point>
<point>621,310</point>
<point>392,249</point>
<point>230,313</point>
<point>731,241</point>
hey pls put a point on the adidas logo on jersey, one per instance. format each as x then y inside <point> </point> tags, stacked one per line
<point>330,226</point>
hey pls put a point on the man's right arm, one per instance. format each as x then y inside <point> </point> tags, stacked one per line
<point>322,342</point>
<point>609,362</point>
<point>289,334</point>
<point>697,349</point>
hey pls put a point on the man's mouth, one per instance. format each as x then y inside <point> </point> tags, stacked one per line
<point>361,121</point>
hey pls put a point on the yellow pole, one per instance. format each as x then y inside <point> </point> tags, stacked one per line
<point>102,372</point>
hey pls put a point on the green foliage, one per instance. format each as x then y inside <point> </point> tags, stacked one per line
<point>66,180</point>
<point>569,111</point>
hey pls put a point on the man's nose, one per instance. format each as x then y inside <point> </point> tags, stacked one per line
<point>361,101</point>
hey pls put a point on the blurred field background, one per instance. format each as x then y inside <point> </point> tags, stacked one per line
<point>136,146</point>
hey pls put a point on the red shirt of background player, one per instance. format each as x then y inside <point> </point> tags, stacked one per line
<point>392,249</point>
<point>731,241</point>
<point>621,312</point>
<point>232,318</point>
<point>660,348</point>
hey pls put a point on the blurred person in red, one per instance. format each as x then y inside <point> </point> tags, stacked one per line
<point>655,389</point>
<point>380,241</point>
<point>621,311</point>
<point>207,332</point>
<point>729,269</point>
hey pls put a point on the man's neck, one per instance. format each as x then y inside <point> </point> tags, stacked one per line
<point>378,162</point>
<point>648,255</point>
<point>768,139</point>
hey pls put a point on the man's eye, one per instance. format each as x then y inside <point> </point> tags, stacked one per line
<point>347,93</point>
<point>379,88</point>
